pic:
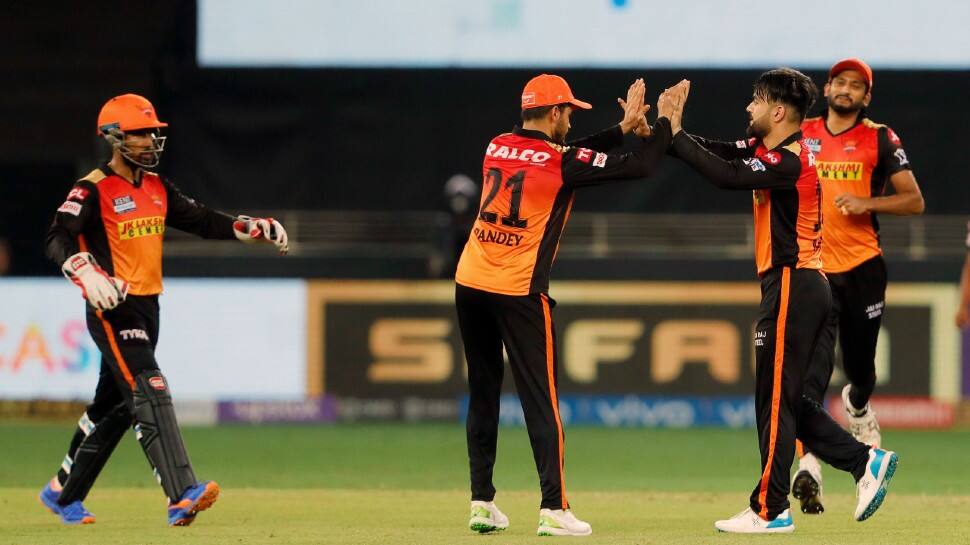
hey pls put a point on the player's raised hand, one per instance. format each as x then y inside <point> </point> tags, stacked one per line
<point>671,104</point>
<point>634,110</point>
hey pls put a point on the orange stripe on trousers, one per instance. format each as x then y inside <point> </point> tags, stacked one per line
<point>776,386</point>
<point>799,448</point>
<point>551,373</point>
<point>117,353</point>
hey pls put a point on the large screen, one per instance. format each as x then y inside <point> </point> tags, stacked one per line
<point>581,33</point>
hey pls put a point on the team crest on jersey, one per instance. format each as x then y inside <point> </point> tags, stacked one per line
<point>124,204</point>
<point>849,146</point>
<point>814,144</point>
<point>584,154</point>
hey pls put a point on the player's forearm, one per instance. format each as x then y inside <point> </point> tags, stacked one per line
<point>905,204</point>
<point>61,244</point>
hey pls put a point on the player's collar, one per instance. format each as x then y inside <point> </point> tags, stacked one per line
<point>529,133</point>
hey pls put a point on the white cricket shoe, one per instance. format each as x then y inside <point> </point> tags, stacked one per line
<point>749,522</point>
<point>486,517</point>
<point>872,487</point>
<point>561,522</point>
<point>862,422</point>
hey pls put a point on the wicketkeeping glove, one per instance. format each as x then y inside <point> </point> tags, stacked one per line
<point>249,229</point>
<point>102,291</point>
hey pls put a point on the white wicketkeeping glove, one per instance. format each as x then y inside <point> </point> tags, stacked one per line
<point>102,291</point>
<point>249,229</point>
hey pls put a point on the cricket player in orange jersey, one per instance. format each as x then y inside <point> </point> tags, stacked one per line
<point>857,160</point>
<point>776,164</point>
<point>530,179</point>
<point>107,239</point>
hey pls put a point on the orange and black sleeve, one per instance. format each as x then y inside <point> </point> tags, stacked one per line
<point>750,173</point>
<point>71,220</point>
<point>600,168</point>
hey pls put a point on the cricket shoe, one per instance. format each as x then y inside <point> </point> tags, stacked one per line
<point>561,522</point>
<point>486,518</point>
<point>872,487</point>
<point>195,499</point>
<point>749,522</point>
<point>72,513</point>
<point>862,422</point>
<point>807,485</point>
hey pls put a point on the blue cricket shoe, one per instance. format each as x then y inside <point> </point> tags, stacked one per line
<point>197,498</point>
<point>72,513</point>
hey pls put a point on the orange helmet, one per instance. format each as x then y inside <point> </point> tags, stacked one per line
<point>128,113</point>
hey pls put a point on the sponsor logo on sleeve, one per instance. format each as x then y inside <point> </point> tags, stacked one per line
<point>70,207</point>
<point>814,144</point>
<point>78,193</point>
<point>599,160</point>
<point>901,157</point>
<point>745,144</point>
<point>772,157</point>
<point>584,155</point>
<point>124,204</point>
<point>157,382</point>
<point>893,136</point>
<point>754,164</point>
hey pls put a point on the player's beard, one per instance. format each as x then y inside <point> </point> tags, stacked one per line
<point>559,130</point>
<point>759,128</point>
<point>853,107</point>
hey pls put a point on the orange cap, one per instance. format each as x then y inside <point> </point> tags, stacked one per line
<point>852,63</point>
<point>549,90</point>
<point>128,113</point>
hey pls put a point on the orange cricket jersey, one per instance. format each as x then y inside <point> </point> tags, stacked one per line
<point>527,193</point>
<point>122,224</point>
<point>787,222</point>
<point>858,161</point>
<point>523,210</point>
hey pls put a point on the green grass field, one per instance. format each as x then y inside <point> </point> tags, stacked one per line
<point>377,484</point>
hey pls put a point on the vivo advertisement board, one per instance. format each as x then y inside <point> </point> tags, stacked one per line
<point>219,339</point>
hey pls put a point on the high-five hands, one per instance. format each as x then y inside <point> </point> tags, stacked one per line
<point>671,103</point>
<point>634,110</point>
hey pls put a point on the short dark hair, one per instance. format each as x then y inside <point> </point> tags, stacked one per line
<point>539,112</point>
<point>788,86</point>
